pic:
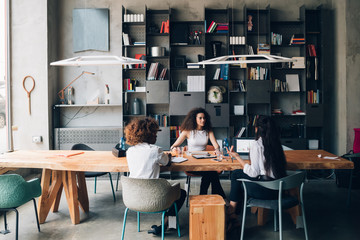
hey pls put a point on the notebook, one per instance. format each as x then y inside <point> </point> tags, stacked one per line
<point>243,147</point>
<point>203,155</point>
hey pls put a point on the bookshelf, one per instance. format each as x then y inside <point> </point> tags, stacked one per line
<point>172,97</point>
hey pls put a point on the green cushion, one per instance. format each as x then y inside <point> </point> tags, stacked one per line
<point>15,191</point>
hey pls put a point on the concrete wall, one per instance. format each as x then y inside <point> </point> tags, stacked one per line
<point>352,70</point>
<point>46,26</point>
<point>29,56</point>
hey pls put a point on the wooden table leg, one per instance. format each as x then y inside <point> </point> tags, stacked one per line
<point>74,185</point>
<point>49,192</point>
<point>82,192</point>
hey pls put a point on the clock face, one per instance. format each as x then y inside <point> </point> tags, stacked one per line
<point>215,95</point>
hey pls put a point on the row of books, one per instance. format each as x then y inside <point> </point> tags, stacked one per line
<point>130,84</point>
<point>218,27</point>
<point>240,86</point>
<point>280,86</point>
<point>297,39</point>
<point>222,73</point>
<point>276,38</point>
<point>154,70</point>
<point>196,83</point>
<point>263,49</point>
<point>162,120</point>
<point>258,73</point>
<point>175,131</point>
<point>165,27</point>
<point>313,96</point>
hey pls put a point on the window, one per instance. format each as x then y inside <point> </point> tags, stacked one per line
<point>3,77</point>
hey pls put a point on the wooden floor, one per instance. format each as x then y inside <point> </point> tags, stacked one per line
<point>326,213</point>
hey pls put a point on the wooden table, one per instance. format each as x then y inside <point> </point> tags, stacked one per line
<point>60,172</point>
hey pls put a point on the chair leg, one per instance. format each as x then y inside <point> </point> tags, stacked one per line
<point>95,185</point>
<point>280,223</point>
<point>275,221</point>
<point>177,219</point>
<point>6,230</point>
<point>138,221</point>
<point>117,181</point>
<point>124,224</point>
<point>36,214</point>
<point>243,222</point>
<point>112,187</point>
<point>188,181</point>
<point>349,190</point>
<point>17,223</point>
<point>163,226</point>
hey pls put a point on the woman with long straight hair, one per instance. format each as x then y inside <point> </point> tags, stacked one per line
<point>267,162</point>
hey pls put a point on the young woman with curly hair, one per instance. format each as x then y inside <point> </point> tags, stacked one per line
<point>197,129</point>
<point>267,163</point>
<point>144,158</point>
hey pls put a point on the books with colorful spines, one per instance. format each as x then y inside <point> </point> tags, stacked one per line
<point>167,27</point>
<point>210,26</point>
<point>310,50</point>
<point>224,72</point>
<point>213,27</point>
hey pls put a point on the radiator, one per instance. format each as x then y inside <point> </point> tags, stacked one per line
<point>100,139</point>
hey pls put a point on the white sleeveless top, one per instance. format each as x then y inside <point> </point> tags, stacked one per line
<point>198,140</point>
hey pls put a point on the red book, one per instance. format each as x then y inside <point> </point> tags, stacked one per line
<point>211,24</point>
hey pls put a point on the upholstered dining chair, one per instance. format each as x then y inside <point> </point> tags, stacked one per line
<point>149,196</point>
<point>14,192</point>
<point>293,180</point>
<point>81,146</point>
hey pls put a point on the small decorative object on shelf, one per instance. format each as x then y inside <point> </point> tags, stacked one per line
<point>250,24</point>
<point>195,37</point>
<point>136,107</point>
<point>215,94</point>
<point>107,94</point>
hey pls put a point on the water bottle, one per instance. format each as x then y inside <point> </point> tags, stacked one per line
<point>225,145</point>
<point>122,143</point>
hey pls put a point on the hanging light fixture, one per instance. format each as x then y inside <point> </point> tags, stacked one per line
<point>97,60</point>
<point>246,58</point>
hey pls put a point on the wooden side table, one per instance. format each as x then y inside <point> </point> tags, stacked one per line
<point>207,217</point>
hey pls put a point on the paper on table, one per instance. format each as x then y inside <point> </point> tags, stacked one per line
<point>178,159</point>
<point>333,158</point>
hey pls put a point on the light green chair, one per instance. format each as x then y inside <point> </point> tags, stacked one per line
<point>149,196</point>
<point>14,192</point>
<point>293,180</point>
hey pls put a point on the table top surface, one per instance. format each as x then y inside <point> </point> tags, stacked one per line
<point>104,161</point>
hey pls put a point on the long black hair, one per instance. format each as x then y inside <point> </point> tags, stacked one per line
<point>190,124</point>
<point>274,154</point>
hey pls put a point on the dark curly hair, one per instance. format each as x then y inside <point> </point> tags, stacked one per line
<point>190,124</point>
<point>141,130</point>
<point>273,151</point>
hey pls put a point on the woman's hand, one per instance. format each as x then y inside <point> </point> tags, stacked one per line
<point>217,152</point>
<point>232,153</point>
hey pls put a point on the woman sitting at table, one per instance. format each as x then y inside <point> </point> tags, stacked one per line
<point>267,163</point>
<point>197,129</point>
<point>144,158</point>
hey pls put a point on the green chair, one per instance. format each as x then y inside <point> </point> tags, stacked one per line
<point>81,146</point>
<point>14,192</point>
<point>284,201</point>
<point>149,196</point>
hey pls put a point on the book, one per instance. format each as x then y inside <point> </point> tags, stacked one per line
<point>216,74</point>
<point>126,39</point>
<point>210,26</point>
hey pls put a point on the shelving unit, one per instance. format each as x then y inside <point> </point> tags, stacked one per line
<point>170,97</point>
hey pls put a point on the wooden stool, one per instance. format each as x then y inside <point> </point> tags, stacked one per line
<point>207,217</point>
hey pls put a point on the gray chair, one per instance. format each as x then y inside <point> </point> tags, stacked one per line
<point>149,196</point>
<point>81,146</point>
<point>14,192</point>
<point>284,201</point>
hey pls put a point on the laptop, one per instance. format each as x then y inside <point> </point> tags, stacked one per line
<point>242,147</point>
